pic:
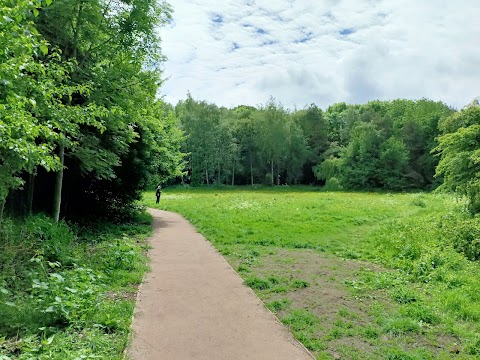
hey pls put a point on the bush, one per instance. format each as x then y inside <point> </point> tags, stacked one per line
<point>464,235</point>
<point>38,236</point>
<point>332,184</point>
<point>69,296</point>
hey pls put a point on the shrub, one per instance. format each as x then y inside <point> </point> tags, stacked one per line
<point>68,295</point>
<point>332,184</point>
<point>464,235</point>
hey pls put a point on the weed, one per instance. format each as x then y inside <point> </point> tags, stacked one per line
<point>243,268</point>
<point>420,312</point>
<point>372,332</point>
<point>278,305</point>
<point>401,326</point>
<point>54,285</point>
<point>257,283</point>
<point>300,319</point>
<point>403,295</point>
<point>299,284</point>
<point>419,202</point>
<point>280,289</point>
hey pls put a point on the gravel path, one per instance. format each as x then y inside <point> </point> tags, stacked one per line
<point>194,306</point>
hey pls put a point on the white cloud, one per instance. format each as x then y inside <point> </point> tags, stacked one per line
<point>302,52</point>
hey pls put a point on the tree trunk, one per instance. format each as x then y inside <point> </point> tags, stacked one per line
<point>271,163</point>
<point>278,175</point>
<point>31,184</point>
<point>233,174</point>
<point>206,175</point>
<point>2,206</point>
<point>57,196</point>
<point>77,28</point>
<point>251,169</point>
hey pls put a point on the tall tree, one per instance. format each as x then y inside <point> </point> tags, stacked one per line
<point>459,149</point>
<point>314,126</point>
<point>201,123</point>
<point>247,133</point>
<point>273,136</point>
<point>25,142</point>
<point>116,55</point>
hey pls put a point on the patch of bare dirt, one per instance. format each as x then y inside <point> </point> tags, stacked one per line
<point>345,315</point>
<point>123,295</point>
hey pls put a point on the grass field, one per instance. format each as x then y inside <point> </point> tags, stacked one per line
<point>353,275</point>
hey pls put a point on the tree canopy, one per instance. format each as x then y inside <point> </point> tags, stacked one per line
<point>459,150</point>
<point>378,145</point>
<point>78,96</point>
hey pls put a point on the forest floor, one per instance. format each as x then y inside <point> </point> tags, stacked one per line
<point>193,305</point>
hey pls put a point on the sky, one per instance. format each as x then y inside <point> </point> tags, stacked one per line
<point>300,52</point>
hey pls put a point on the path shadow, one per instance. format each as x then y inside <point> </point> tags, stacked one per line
<point>159,223</point>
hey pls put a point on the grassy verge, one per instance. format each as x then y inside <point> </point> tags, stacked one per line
<point>68,292</point>
<point>353,275</point>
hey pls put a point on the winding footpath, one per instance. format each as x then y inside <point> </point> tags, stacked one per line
<point>194,306</point>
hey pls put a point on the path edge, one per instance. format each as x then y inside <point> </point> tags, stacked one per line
<point>125,352</point>
<point>126,355</point>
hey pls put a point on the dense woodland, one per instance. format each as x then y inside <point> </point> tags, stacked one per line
<point>390,145</point>
<point>81,125</point>
<point>377,145</point>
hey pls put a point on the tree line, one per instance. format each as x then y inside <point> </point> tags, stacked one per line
<point>391,145</point>
<point>81,127</point>
<point>381,144</point>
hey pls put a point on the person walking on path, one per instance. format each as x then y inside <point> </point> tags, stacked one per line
<point>158,193</point>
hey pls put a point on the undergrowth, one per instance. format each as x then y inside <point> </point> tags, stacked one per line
<point>68,291</point>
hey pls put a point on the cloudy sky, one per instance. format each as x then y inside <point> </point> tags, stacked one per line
<point>322,52</point>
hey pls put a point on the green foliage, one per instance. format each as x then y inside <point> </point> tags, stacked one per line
<point>78,95</point>
<point>376,145</point>
<point>279,305</point>
<point>464,235</point>
<point>121,254</point>
<point>257,283</point>
<point>24,142</point>
<point>403,295</point>
<point>69,297</point>
<point>360,159</point>
<point>300,284</point>
<point>40,238</point>
<point>460,154</point>
<point>393,164</point>
<point>63,298</point>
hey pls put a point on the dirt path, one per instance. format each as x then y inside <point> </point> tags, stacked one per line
<point>193,306</point>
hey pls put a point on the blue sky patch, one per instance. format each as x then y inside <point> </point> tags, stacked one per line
<point>305,38</point>
<point>217,19</point>
<point>346,32</point>
<point>269,42</point>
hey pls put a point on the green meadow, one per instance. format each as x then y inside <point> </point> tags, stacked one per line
<point>353,275</point>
